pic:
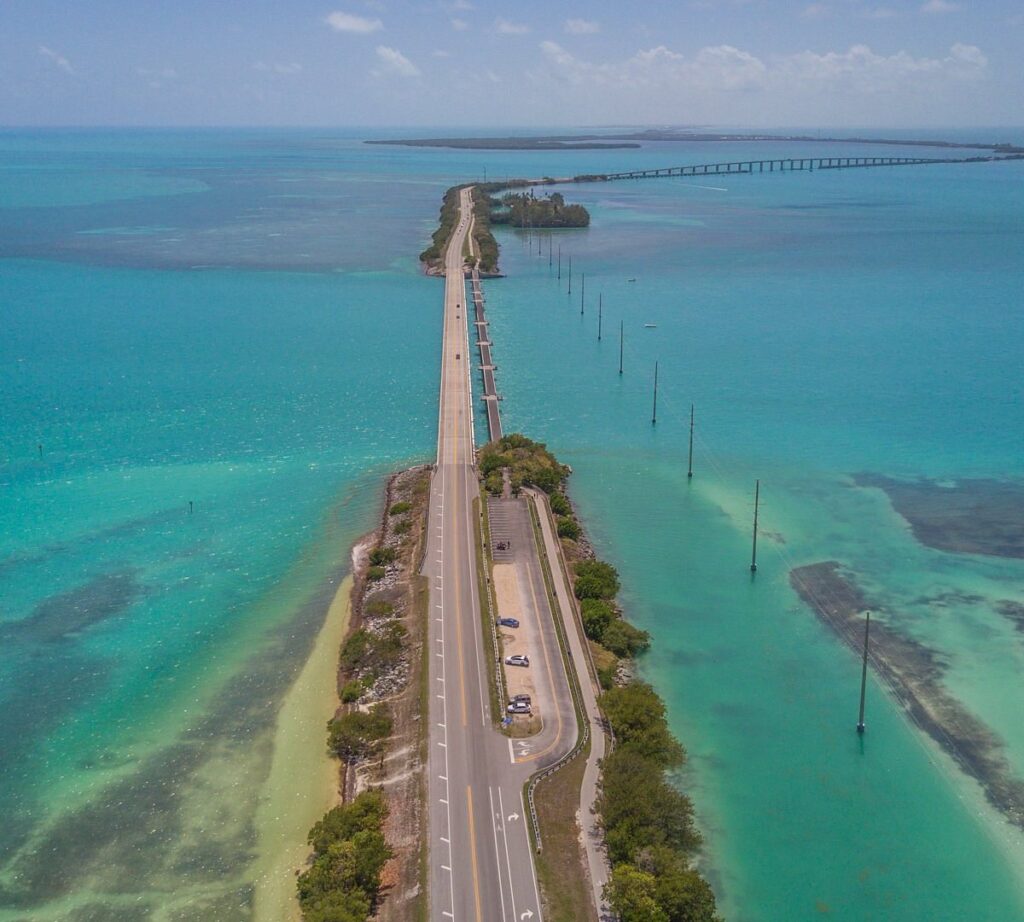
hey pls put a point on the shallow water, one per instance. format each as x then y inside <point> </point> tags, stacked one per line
<point>824,325</point>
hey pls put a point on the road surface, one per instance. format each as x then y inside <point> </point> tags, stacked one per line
<point>480,858</point>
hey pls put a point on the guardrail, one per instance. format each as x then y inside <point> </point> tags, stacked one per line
<point>491,602</point>
<point>582,717</point>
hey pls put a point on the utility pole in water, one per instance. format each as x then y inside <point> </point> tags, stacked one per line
<point>689,467</point>
<point>570,273</point>
<point>620,346</point>
<point>559,262</point>
<point>600,312</point>
<point>757,500</point>
<point>654,412</point>
<point>864,672</point>
<point>583,290</point>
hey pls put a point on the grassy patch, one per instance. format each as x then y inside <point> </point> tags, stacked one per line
<point>560,865</point>
<point>488,615</point>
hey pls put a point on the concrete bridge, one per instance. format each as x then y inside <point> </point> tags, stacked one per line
<point>784,165</point>
<point>487,366</point>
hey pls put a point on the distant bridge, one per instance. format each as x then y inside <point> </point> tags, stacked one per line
<point>785,165</point>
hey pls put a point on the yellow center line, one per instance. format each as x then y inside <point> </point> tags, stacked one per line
<point>472,852</point>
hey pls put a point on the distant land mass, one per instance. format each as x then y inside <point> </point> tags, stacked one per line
<point>552,143</point>
<point>635,138</point>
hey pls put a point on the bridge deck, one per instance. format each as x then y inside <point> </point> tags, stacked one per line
<point>786,165</point>
<point>490,394</point>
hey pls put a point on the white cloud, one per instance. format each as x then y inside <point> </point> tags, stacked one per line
<point>460,25</point>
<point>57,58</point>
<point>395,63</point>
<point>441,53</point>
<point>814,11</point>
<point>939,6</point>
<point>582,26</point>
<point>348,22</point>
<point>505,27</point>
<point>863,71</point>
<point>724,69</point>
<point>457,6</point>
<point>879,13</point>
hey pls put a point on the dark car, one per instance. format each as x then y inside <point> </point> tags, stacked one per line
<point>508,622</point>
<point>525,699</point>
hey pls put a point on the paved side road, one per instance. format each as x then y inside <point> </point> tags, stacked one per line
<point>597,860</point>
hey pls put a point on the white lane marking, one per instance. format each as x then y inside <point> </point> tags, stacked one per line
<point>508,859</point>
<point>511,753</point>
<point>497,857</point>
<point>533,871</point>
<point>445,867</point>
<point>442,800</point>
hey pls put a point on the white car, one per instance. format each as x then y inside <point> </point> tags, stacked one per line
<point>517,660</point>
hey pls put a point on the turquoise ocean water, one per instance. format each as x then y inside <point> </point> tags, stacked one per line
<point>237,320</point>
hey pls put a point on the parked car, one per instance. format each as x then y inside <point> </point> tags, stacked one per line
<point>519,707</point>
<point>517,660</point>
<point>508,622</point>
<point>518,698</point>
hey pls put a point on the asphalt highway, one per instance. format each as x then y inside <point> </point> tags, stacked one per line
<point>480,859</point>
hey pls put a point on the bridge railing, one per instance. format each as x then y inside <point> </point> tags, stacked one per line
<point>782,165</point>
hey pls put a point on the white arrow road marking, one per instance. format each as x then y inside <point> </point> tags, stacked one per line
<point>526,915</point>
<point>512,817</point>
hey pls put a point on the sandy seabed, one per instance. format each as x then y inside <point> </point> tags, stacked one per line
<point>303,782</point>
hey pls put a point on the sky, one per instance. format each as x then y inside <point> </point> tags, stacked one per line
<point>543,63</point>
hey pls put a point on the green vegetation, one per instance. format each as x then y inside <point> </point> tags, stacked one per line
<point>597,614</point>
<point>529,464</point>
<point>486,245</point>
<point>560,862</point>
<point>623,639</point>
<point>524,209</point>
<point>568,528</point>
<point>357,735</point>
<point>519,210</point>
<point>367,656</point>
<point>433,255</point>
<point>559,504</point>
<point>595,579</point>
<point>381,556</point>
<point>349,853</point>
<point>648,823</point>
<point>351,691</point>
<point>342,883</point>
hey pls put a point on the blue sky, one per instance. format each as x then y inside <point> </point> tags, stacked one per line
<point>854,63</point>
